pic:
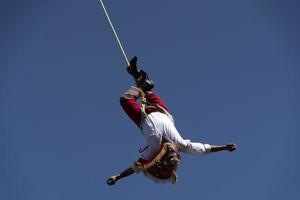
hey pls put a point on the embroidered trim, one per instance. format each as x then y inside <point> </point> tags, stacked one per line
<point>159,176</point>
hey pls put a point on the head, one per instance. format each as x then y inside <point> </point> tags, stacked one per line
<point>165,168</point>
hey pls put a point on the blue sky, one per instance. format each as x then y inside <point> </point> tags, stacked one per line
<point>228,71</point>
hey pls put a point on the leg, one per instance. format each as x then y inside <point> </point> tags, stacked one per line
<point>130,106</point>
<point>155,99</point>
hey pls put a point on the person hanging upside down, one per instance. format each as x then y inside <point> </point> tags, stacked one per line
<point>160,158</point>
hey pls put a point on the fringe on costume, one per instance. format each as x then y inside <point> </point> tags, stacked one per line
<point>162,168</point>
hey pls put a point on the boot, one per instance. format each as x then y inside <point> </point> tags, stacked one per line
<point>140,77</point>
<point>132,68</point>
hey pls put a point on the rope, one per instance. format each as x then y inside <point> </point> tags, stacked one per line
<point>143,106</point>
<point>115,33</point>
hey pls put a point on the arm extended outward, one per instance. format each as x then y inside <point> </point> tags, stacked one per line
<point>113,179</point>
<point>228,147</point>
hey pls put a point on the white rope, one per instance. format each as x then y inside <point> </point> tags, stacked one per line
<point>115,33</point>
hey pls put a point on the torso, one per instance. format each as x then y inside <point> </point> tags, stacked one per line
<point>154,128</point>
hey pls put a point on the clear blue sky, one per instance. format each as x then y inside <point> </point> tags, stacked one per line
<point>228,70</point>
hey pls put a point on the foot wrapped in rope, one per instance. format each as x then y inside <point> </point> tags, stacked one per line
<point>140,77</point>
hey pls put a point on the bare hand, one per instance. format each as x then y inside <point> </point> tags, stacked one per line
<point>230,147</point>
<point>112,180</point>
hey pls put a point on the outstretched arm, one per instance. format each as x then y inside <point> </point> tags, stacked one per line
<point>228,147</point>
<point>113,179</point>
<point>198,148</point>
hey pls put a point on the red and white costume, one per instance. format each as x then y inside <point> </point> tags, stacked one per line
<point>157,124</point>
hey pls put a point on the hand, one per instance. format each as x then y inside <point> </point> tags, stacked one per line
<point>112,180</point>
<point>230,147</point>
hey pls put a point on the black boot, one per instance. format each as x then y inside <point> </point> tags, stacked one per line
<point>132,69</point>
<point>144,82</point>
<point>140,77</point>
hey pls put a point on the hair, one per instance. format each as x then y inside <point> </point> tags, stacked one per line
<point>165,168</point>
